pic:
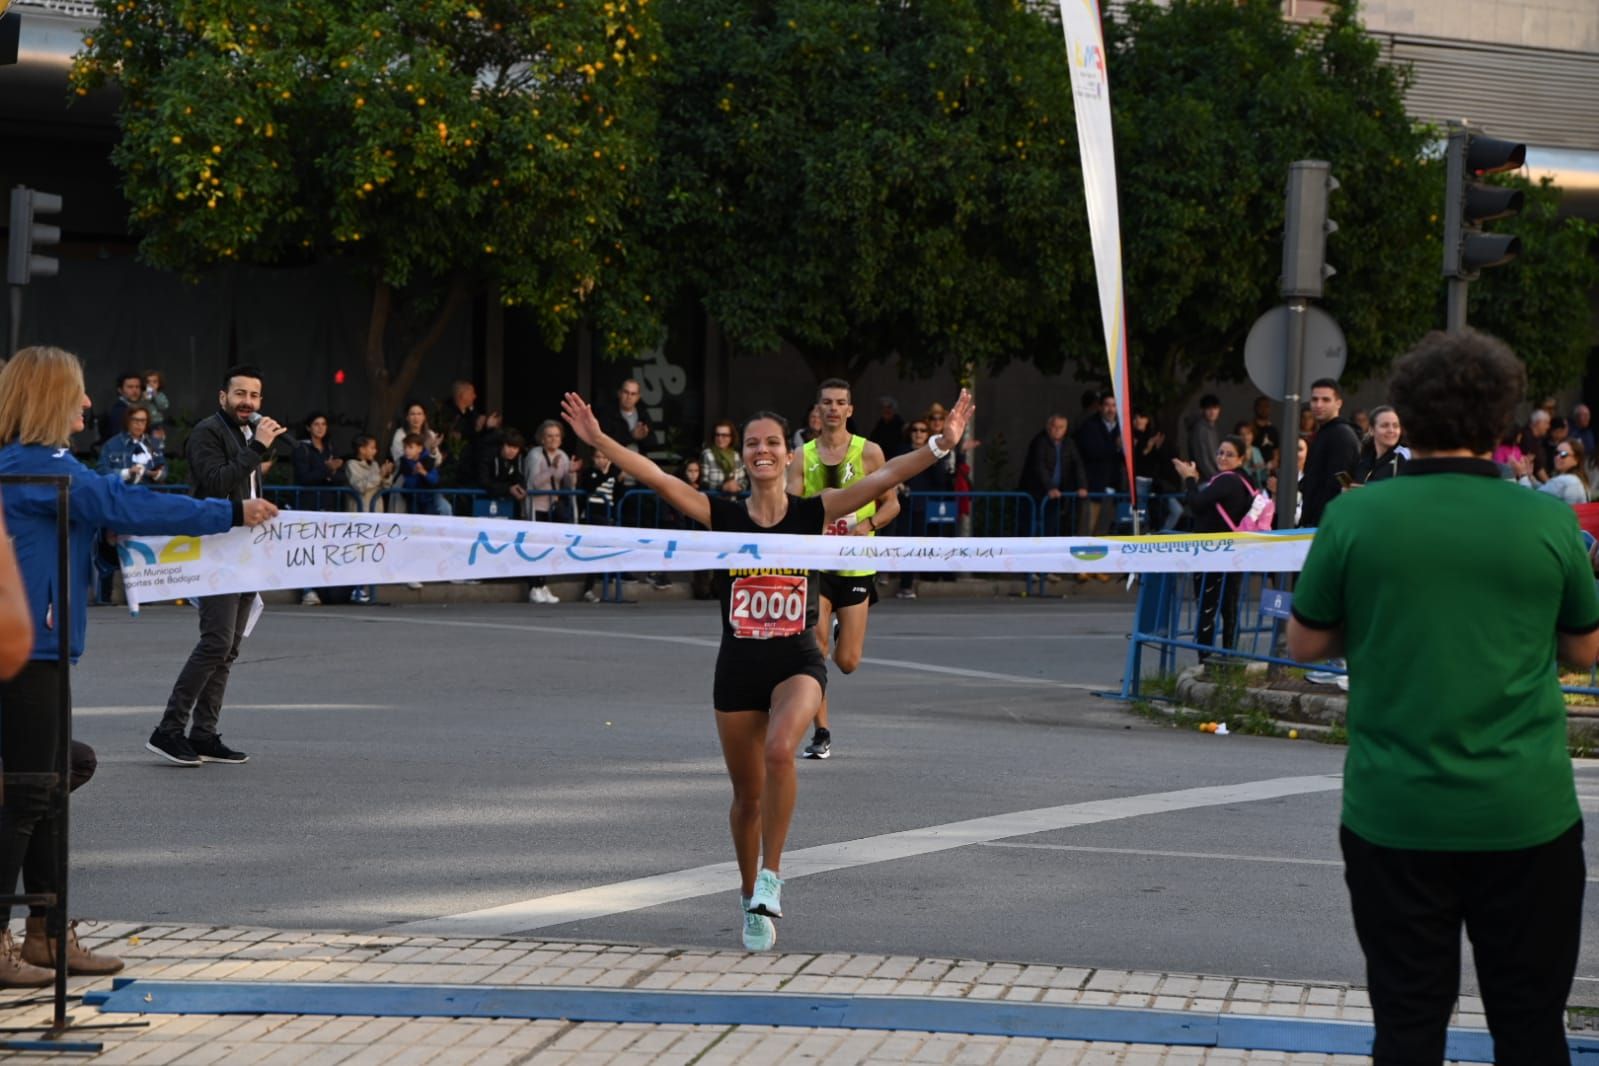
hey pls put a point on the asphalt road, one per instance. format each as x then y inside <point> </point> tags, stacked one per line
<point>427,761</point>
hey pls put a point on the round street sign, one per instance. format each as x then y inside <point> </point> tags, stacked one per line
<point>1266,350</point>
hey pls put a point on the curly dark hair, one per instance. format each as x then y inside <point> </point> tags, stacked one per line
<point>1457,390</point>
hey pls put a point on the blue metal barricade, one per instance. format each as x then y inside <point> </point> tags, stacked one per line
<point>992,514</point>
<point>1181,613</point>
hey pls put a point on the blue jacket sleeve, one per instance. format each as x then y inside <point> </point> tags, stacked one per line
<point>105,501</point>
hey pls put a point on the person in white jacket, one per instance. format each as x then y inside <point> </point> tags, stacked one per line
<point>1570,480</point>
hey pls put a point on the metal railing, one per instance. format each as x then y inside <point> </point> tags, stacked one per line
<point>1170,623</point>
<point>1239,616</point>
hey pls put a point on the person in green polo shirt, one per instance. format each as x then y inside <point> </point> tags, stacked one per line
<point>1451,593</point>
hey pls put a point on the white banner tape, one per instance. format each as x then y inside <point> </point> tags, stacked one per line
<point>313,550</point>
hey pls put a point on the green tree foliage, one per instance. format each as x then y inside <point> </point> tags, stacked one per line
<point>1538,303</point>
<point>441,147</point>
<point>865,178</point>
<point>1213,99</point>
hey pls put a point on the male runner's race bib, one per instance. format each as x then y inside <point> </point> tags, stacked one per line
<point>763,606</point>
<point>839,527</point>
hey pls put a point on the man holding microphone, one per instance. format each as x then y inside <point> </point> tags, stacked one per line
<point>225,452</point>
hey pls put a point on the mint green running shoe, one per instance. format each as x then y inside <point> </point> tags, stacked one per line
<point>760,932</point>
<point>768,896</point>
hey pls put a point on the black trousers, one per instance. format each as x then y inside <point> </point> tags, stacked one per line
<point>29,710</point>
<point>1213,591</point>
<point>203,681</point>
<point>1523,912</point>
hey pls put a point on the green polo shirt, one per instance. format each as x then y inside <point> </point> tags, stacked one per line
<point>1450,585</point>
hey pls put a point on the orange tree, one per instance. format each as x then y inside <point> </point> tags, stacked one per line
<point>441,147</point>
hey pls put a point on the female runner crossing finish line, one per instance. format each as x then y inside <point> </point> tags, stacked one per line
<point>770,674</point>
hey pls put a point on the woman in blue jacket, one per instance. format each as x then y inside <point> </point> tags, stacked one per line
<point>41,405</point>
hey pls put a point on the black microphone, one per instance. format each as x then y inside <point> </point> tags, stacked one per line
<point>255,417</point>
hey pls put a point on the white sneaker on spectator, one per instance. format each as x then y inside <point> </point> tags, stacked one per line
<point>309,598</point>
<point>590,596</point>
<point>550,596</point>
<point>413,584</point>
<point>535,594</point>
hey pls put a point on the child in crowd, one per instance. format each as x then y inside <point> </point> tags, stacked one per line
<point>598,482</point>
<point>155,399</point>
<point>367,476</point>
<point>416,474</point>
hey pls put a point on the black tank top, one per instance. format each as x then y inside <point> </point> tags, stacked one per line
<point>760,599</point>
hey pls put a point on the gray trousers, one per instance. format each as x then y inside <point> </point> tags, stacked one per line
<point>204,677</point>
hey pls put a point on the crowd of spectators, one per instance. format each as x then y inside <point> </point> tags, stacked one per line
<point>462,459</point>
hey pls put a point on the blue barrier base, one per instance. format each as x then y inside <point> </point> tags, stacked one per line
<point>918,1014</point>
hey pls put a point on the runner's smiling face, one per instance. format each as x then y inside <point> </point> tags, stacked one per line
<point>766,454</point>
<point>835,407</point>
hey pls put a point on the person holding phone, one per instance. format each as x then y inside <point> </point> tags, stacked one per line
<point>1230,492</point>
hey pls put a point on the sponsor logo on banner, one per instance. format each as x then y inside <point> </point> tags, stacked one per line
<point>1088,69</point>
<point>175,552</point>
<point>1089,552</point>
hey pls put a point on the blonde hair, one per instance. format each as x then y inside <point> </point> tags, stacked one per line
<point>41,396</point>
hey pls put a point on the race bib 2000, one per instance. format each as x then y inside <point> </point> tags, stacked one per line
<point>763,606</point>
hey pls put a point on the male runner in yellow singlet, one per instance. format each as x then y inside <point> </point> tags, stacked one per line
<point>837,458</point>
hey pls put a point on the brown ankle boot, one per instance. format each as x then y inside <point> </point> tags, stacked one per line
<point>14,972</point>
<point>81,962</point>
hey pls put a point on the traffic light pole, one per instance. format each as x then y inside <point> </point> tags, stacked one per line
<point>1455,318</point>
<point>1288,435</point>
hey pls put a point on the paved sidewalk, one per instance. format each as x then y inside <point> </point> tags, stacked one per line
<point>201,954</point>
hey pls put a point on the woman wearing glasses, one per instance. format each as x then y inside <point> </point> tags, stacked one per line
<point>721,467</point>
<point>1570,480</point>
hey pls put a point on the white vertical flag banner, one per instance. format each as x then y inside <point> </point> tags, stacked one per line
<point>1085,53</point>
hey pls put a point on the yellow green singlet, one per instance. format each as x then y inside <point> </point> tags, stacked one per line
<point>819,476</point>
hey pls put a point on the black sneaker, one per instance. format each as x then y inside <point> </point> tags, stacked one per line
<point>660,581</point>
<point>211,749</point>
<point>821,745</point>
<point>172,748</point>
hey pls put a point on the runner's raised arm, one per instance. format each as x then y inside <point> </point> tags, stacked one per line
<point>690,502</point>
<point>847,500</point>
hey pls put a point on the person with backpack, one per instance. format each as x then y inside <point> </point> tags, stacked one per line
<point>1227,503</point>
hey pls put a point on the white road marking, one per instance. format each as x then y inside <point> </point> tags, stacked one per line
<point>640,893</point>
<point>1222,856</point>
<point>704,642</point>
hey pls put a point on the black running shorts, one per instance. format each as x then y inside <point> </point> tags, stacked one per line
<point>748,671</point>
<point>844,591</point>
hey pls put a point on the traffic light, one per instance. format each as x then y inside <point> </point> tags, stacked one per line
<point>1306,228</point>
<point>1469,203</point>
<point>26,235</point>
